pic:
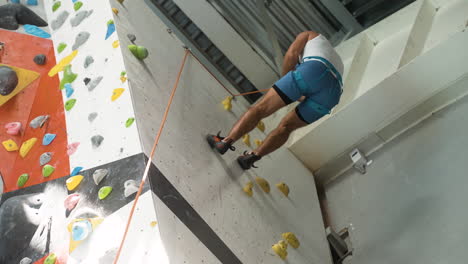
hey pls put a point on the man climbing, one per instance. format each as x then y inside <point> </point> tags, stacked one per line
<point>311,74</point>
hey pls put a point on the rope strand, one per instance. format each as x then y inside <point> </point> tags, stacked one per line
<point>150,159</point>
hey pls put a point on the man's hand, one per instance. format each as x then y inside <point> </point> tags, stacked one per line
<point>295,51</point>
<point>301,99</point>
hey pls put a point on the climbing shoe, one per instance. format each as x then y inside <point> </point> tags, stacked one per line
<point>217,143</point>
<point>248,160</point>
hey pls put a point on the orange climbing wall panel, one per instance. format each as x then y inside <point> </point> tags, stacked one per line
<point>41,97</point>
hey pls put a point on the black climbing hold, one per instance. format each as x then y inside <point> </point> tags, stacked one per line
<point>86,80</point>
<point>131,37</point>
<point>40,59</point>
<point>97,140</point>
<point>8,80</point>
<point>12,15</point>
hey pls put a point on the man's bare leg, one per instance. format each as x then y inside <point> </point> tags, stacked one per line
<point>280,135</point>
<point>269,104</point>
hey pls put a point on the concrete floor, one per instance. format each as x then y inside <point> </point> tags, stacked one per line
<point>410,206</point>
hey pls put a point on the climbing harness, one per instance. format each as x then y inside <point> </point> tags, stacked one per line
<point>303,86</point>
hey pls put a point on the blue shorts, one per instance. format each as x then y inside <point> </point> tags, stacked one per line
<point>319,83</point>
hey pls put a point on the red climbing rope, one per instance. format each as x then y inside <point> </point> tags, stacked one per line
<point>150,158</point>
<point>225,88</point>
<point>254,92</point>
<point>203,65</point>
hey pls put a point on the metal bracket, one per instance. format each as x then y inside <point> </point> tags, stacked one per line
<point>339,247</point>
<point>360,161</point>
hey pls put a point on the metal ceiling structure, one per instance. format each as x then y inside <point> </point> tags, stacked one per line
<point>270,26</point>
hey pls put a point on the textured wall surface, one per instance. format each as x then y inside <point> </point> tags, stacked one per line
<point>408,207</point>
<point>211,184</point>
<point>98,121</point>
<point>110,121</point>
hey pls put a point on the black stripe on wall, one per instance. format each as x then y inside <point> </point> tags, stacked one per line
<point>187,214</point>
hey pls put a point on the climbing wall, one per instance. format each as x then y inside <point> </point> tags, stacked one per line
<point>100,114</point>
<point>109,96</point>
<point>72,157</point>
<point>203,189</point>
<point>37,98</point>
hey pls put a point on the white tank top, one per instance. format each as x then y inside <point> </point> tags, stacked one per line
<point>321,47</point>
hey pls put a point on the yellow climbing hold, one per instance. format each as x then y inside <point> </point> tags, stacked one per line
<point>246,139</point>
<point>284,188</point>
<point>115,10</point>
<point>280,249</point>
<point>61,65</point>
<point>117,93</point>
<point>291,239</point>
<point>258,142</point>
<point>227,103</point>
<point>248,189</point>
<point>73,182</point>
<point>116,44</point>
<point>10,145</point>
<point>153,223</point>
<point>123,79</point>
<point>261,126</point>
<point>263,184</point>
<point>27,146</point>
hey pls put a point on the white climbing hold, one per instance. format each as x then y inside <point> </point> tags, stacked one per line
<point>99,174</point>
<point>38,121</point>
<point>131,187</point>
<point>26,261</point>
<point>45,158</point>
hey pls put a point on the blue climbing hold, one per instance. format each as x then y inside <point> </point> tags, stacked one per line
<point>32,2</point>
<point>81,230</point>
<point>15,1</point>
<point>48,138</point>
<point>68,90</point>
<point>74,1</point>
<point>33,30</point>
<point>110,28</point>
<point>76,170</point>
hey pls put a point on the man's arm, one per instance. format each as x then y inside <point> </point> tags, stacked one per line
<point>295,50</point>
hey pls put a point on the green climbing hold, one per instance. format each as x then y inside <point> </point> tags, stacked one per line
<point>138,51</point>
<point>129,122</point>
<point>70,104</point>
<point>61,47</point>
<point>68,76</point>
<point>47,170</point>
<point>123,73</point>
<point>104,192</point>
<point>110,22</point>
<point>23,178</point>
<point>56,6</point>
<point>78,5</point>
<point>50,259</point>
